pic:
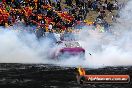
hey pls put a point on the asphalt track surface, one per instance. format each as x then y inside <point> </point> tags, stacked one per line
<point>50,76</point>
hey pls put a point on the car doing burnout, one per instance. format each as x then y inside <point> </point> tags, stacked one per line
<point>68,49</point>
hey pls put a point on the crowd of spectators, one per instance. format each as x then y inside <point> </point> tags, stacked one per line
<point>52,15</point>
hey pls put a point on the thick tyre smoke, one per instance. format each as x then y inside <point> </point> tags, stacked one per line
<point>22,47</point>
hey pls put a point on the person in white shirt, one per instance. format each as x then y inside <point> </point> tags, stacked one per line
<point>50,28</point>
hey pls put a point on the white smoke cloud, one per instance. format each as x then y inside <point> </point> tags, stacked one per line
<point>19,47</point>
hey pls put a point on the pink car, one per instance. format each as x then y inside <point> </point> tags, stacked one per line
<point>69,49</point>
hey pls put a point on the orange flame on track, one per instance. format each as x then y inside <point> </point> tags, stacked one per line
<point>81,71</point>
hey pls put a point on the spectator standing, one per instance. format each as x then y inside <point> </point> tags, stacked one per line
<point>69,2</point>
<point>94,5</point>
<point>50,28</point>
<point>58,6</point>
<point>109,7</point>
<point>115,5</point>
<point>104,5</point>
